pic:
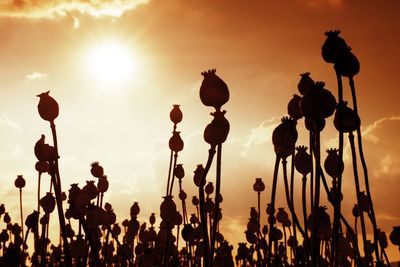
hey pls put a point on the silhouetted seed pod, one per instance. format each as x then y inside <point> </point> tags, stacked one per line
<point>356,210</point>
<point>219,237</point>
<point>182,195</point>
<point>253,213</point>
<point>395,235</point>
<point>48,203</point>
<point>281,215</point>
<point>193,219</point>
<point>305,83</point>
<point>19,182</point>
<point>331,196</point>
<point>270,211</point>
<point>47,107</point>
<point>63,196</point>
<point>251,237</point>
<point>209,205</point>
<point>110,217</point>
<point>2,209</point>
<point>302,160</point>
<point>90,189</point>
<point>32,220</point>
<point>195,201</point>
<point>383,239</point>
<point>219,198</point>
<point>102,185</point>
<point>135,209</point>
<point>318,102</point>
<point>44,152</point>
<point>292,242</point>
<point>73,192</point>
<point>348,64</point>
<point>152,218</point>
<point>284,137</point>
<point>271,219</point>
<point>334,47</point>
<point>176,114</point>
<point>258,185</point>
<point>264,230</point>
<point>152,234</point>
<point>188,233</point>
<point>350,120</point>
<point>276,234</point>
<point>209,188</point>
<point>4,236</point>
<point>178,219</point>
<point>217,131</point>
<point>364,202</point>
<point>253,225</point>
<point>139,249</point>
<point>242,251</point>
<point>176,142</point>
<point>219,214</point>
<point>95,216</point>
<point>79,248</point>
<point>168,209</point>
<point>312,125</point>
<point>42,166</point>
<point>179,172</point>
<point>197,175</point>
<point>213,90</point>
<point>294,110</point>
<point>81,201</point>
<point>333,165</point>
<point>96,170</point>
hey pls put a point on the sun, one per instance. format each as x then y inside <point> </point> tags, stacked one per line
<point>111,63</point>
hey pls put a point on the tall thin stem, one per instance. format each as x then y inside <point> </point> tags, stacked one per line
<point>169,171</point>
<point>217,202</point>
<point>304,202</point>
<point>314,235</point>
<point>173,173</point>
<point>22,216</point>
<point>273,195</point>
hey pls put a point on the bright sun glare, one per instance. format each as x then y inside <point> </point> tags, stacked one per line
<point>111,63</point>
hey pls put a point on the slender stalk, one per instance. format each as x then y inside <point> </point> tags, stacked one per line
<point>312,172</point>
<point>203,217</point>
<point>169,171</point>
<point>217,202</point>
<point>173,173</point>
<point>291,195</point>
<point>273,195</point>
<point>304,202</point>
<point>315,239</point>
<point>20,210</point>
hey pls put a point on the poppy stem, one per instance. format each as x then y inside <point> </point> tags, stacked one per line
<point>20,209</point>
<point>272,207</point>
<point>304,202</point>
<point>173,172</point>
<point>169,171</point>
<point>314,234</point>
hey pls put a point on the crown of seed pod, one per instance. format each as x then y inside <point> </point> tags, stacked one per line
<point>305,83</point>
<point>213,90</point>
<point>176,142</point>
<point>176,114</point>
<point>293,108</point>
<point>209,188</point>
<point>47,107</point>
<point>96,170</point>
<point>333,165</point>
<point>19,182</point>
<point>197,175</point>
<point>347,64</point>
<point>48,203</point>
<point>318,102</point>
<point>179,172</point>
<point>284,137</point>
<point>334,47</point>
<point>350,121</point>
<point>302,160</point>
<point>217,131</point>
<point>258,185</point>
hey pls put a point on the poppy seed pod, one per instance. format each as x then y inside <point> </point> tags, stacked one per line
<point>168,209</point>
<point>48,203</point>
<point>90,189</point>
<point>253,225</point>
<point>395,235</point>
<point>135,209</point>
<point>305,83</point>
<point>178,219</point>
<point>258,186</point>
<point>302,160</point>
<point>2,209</point>
<point>264,230</point>
<point>19,182</point>
<point>333,165</point>
<point>195,200</point>
<point>209,206</point>
<point>350,120</point>
<point>356,210</point>
<point>73,192</point>
<point>318,102</point>
<point>347,64</point>
<point>250,237</point>
<point>281,215</point>
<point>179,172</point>
<point>176,142</point>
<point>217,131</point>
<point>293,108</point>
<point>197,175</point>
<point>43,151</point>
<point>32,220</point>
<point>176,114</point>
<point>213,90</point>
<point>253,213</point>
<point>182,195</point>
<point>334,47</point>
<point>47,107</point>
<point>102,185</point>
<point>314,125</point>
<point>96,170</point>
<point>364,202</point>
<point>152,218</point>
<point>188,233</point>
<point>270,210</point>
<point>209,188</point>
<point>284,137</point>
<point>42,166</point>
<point>79,247</point>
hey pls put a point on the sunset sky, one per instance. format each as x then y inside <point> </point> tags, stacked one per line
<point>117,68</point>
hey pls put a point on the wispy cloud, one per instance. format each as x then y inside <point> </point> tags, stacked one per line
<point>36,75</point>
<point>369,132</point>
<point>56,8</point>
<point>8,122</point>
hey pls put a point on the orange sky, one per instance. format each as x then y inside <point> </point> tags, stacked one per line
<point>258,47</point>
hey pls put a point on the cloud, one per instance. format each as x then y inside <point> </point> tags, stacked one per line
<point>369,132</point>
<point>6,121</point>
<point>36,75</point>
<point>322,3</point>
<point>57,8</point>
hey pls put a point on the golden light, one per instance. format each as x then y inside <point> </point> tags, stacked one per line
<point>111,63</point>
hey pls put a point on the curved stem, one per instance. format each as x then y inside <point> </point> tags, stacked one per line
<point>203,217</point>
<point>217,202</point>
<point>272,207</point>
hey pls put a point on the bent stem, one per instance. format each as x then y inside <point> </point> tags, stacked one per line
<point>203,217</point>
<point>273,195</point>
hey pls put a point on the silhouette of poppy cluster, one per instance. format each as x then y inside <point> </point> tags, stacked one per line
<point>310,238</point>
